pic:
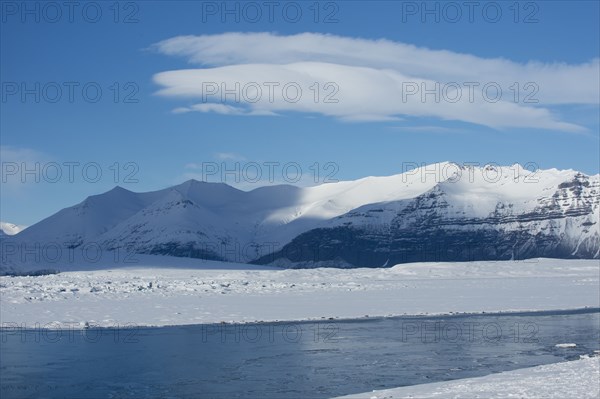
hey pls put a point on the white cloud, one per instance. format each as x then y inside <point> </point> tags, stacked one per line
<point>20,155</point>
<point>229,156</point>
<point>221,156</point>
<point>223,109</point>
<point>427,128</point>
<point>370,77</point>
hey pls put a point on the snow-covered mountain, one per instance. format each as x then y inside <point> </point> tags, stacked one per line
<point>436,212</point>
<point>505,216</point>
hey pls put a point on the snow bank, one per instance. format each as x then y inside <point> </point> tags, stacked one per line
<point>159,296</point>
<point>575,379</point>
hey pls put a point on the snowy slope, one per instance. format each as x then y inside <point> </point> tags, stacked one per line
<point>548,213</point>
<point>497,213</point>
<point>87,220</point>
<point>574,379</point>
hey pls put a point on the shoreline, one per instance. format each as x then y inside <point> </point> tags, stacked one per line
<point>508,313</point>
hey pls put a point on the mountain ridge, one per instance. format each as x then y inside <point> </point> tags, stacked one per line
<point>381,220</point>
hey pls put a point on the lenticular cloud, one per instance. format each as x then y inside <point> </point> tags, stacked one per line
<point>376,80</point>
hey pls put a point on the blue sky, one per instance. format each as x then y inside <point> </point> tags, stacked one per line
<point>368,132</point>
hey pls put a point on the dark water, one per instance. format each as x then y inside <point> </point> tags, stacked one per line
<point>277,360</point>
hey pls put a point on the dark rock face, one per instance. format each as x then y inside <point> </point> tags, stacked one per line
<point>188,250</point>
<point>361,248</point>
<point>432,228</point>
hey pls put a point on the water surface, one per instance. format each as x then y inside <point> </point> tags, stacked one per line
<point>284,360</point>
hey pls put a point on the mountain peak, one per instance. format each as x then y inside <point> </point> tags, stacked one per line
<point>118,190</point>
